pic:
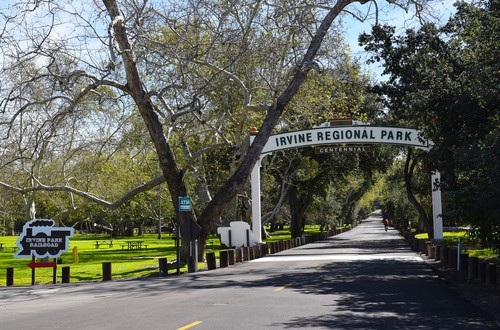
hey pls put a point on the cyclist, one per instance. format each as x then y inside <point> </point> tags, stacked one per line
<point>386,224</point>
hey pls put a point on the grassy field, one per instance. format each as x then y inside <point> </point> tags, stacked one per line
<point>125,263</point>
<point>138,263</point>
<point>467,244</point>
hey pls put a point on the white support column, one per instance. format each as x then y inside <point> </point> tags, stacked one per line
<point>437,210</point>
<point>256,212</point>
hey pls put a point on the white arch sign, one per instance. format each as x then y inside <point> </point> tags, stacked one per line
<point>334,135</point>
<point>344,135</point>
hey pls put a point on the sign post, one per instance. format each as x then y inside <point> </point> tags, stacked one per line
<point>41,239</point>
<point>184,205</point>
<point>189,230</point>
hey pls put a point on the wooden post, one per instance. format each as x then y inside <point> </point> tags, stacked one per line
<point>211,263</point>
<point>473,268</point>
<point>239,254</point>
<point>438,252</point>
<point>230,257</point>
<point>224,259</point>
<point>445,251</point>
<point>33,271</point>
<point>246,253</point>
<point>452,258</point>
<point>106,271</point>
<point>264,249</point>
<point>65,274</point>
<point>163,266</point>
<point>464,263</point>
<point>256,251</point>
<point>10,276</point>
<point>54,272</point>
<point>191,264</point>
<point>491,274</point>
<point>272,249</point>
<point>482,271</point>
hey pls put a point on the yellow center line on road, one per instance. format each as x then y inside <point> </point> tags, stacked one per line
<point>190,325</point>
<point>284,287</point>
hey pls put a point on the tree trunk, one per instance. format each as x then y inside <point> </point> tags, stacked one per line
<point>173,176</point>
<point>422,215</point>
<point>298,209</point>
<point>295,214</point>
<point>135,87</point>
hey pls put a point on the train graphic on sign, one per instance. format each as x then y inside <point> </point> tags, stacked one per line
<point>41,239</point>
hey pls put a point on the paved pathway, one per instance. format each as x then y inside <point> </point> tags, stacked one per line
<point>362,279</point>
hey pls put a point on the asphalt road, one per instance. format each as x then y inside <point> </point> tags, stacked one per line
<point>362,279</point>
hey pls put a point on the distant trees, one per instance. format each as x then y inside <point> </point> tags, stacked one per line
<point>445,82</point>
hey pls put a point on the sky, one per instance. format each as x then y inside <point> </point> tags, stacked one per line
<point>441,10</point>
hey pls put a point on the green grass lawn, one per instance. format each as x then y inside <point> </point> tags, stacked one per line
<point>139,263</point>
<point>125,262</point>
<point>468,245</point>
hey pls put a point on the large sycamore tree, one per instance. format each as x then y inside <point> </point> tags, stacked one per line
<point>181,66</point>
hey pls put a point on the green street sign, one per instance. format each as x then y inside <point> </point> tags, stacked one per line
<point>185,204</point>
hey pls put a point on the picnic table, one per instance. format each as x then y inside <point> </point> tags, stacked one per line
<point>109,243</point>
<point>134,245</point>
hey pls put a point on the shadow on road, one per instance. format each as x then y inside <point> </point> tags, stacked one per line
<point>378,290</point>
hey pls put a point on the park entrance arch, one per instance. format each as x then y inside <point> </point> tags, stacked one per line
<point>328,137</point>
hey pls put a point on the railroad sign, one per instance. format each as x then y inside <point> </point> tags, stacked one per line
<point>41,239</point>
